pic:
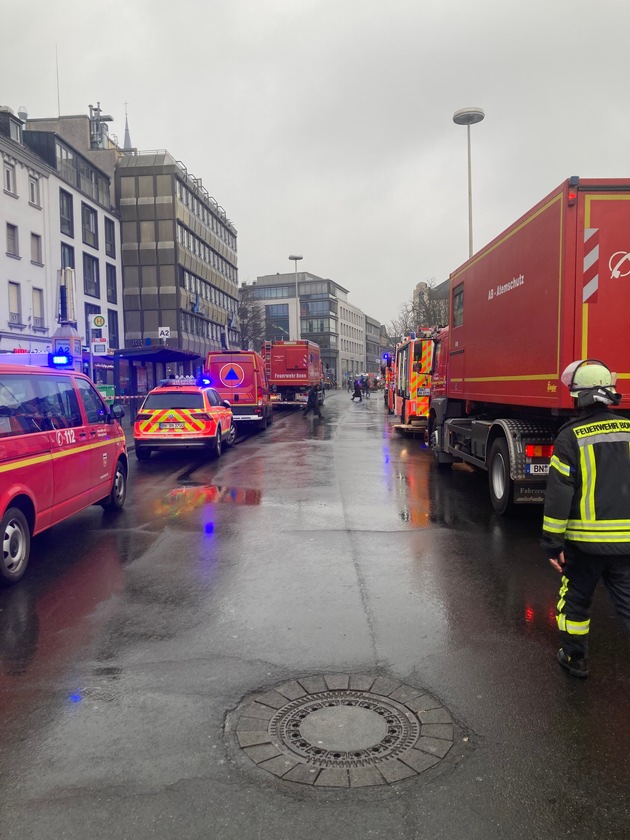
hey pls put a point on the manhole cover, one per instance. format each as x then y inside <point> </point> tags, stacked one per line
<point>345,730</point>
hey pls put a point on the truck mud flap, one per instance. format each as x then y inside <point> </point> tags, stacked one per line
<point>533,494</point>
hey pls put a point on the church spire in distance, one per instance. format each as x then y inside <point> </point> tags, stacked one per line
<point>127,144</point>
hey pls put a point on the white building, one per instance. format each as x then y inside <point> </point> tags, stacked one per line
<point>55,213</point>
<point>351,341</point>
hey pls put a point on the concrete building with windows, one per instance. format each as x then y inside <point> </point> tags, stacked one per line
<point>373,350</point>
<point>326,317</point>
<point>179,253</point>
<point>179,249</point>
<point>56,213</point>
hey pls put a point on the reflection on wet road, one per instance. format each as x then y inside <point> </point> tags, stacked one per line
<point>313,547</point>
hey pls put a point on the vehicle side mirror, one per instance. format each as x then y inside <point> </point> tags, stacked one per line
<point>226,403</point>
<point>117,411</point>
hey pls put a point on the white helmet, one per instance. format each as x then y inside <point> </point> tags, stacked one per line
<point>590,380</point>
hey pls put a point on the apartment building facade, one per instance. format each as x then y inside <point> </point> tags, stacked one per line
<point>179,249</point>
<point>55,213</point>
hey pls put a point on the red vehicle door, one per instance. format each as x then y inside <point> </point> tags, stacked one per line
<point>101,445</point>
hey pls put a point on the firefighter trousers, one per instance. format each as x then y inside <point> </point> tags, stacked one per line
<point>580,577</point>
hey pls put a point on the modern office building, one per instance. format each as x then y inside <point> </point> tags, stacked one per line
<point>56,213</point>
<point>326,317</point>
<point>179,254</point>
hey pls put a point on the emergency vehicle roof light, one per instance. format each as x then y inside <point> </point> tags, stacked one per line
<point>60,360</point>
<point>177,380</point>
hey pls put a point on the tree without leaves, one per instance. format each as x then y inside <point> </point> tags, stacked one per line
<point>431,306</point>
<point>251,315</point>
<point>402,324</point>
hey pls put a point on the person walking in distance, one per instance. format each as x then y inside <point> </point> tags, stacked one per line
<point>586,521</point>
<point>357,391</point>
<point>312,403</point>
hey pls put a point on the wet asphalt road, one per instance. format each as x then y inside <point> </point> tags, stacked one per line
<point>316,547</point>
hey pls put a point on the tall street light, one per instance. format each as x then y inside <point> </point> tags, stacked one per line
<point>468,117</point>
<point>296,258</point>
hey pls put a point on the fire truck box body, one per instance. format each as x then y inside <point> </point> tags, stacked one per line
<point>293,367</point>
<point>552,288</point>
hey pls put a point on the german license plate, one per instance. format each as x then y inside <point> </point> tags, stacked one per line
<point>172,425</point>
<point>537,469</point>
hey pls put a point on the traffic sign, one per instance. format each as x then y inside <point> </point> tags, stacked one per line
<point>99,346</point>
<point>97,322</point>
<point>164,332</point>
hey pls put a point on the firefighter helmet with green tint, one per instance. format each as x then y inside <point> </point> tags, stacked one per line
<point>590,381</point>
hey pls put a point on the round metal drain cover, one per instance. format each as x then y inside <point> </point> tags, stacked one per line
<point>344,730</point>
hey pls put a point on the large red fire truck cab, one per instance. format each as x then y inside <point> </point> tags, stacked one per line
<point>554,287</point>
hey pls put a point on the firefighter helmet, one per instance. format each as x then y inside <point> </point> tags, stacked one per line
<point>590,381</point>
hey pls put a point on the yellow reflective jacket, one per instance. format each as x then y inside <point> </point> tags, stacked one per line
<point>587,502</point>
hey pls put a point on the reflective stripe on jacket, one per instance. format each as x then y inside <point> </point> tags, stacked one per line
<point>588,490</point>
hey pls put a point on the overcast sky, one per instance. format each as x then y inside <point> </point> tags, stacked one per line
<point>324,127</point>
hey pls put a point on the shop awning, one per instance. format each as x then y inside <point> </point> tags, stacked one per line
<point>163,355</point>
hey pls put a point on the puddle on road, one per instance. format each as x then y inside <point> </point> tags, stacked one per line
<point>185,499</point>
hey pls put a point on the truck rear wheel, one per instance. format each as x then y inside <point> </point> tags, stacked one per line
<point>499,480</point>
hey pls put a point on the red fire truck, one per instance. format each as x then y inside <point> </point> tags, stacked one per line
<point>552,288</point>
<point>292,368</point>
<point>388,372</point>
<point>412,385</point>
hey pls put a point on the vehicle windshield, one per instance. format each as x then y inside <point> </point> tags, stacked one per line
<point>173,399</point>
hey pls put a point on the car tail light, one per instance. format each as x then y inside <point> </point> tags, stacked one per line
<point>141,417</point>
<point>201,415</point>
<point>538,451</point>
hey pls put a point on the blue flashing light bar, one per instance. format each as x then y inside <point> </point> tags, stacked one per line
<point>60,360</point>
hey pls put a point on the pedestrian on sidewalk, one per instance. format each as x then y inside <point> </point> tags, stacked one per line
<point>357,391</point>
<point>312,403</point>
<point>586,524</point>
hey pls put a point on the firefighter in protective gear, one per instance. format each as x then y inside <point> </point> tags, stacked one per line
<point>586,525</point>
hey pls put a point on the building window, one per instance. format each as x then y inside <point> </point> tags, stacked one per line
<point>38,307</point>
<point>15,309</point>
<point>91,282</point>
<point>33,190</point>
<point>15,131</point>
<point>65,210</point>
<point>112,323</point>
<point>67,256</point>
<point>36,249</point>
<point>110,278</point>
<point>89,225</point>
<point>458,306</point>
<point>13,245</point>
<point>9,178</point>
<point>110,238</point>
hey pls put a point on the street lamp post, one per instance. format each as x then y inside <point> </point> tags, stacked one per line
<point>468,117</point>
<point>296,258</point>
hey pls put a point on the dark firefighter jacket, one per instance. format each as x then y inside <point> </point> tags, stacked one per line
<point>587,501</point>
